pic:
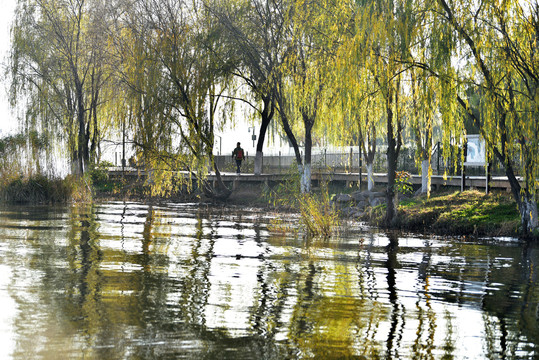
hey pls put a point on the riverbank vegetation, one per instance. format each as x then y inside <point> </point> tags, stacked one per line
<point>165,76</point>
<point>468,213</point>
<point>35,190</point>
<point>38,189</point>
<point>22,181</point>
<point>317,216</point>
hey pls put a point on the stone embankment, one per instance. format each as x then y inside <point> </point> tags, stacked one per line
<point>353,205</point>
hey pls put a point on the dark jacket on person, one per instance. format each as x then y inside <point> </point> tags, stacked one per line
<point>238,154</point>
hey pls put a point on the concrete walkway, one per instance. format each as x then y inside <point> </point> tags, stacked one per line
<point>498,182</point>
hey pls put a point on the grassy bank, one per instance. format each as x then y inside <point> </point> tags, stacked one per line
<point>456,213</point>
<point>39,189</point>
<point>36,189</point>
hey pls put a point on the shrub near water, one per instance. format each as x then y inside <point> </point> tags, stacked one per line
<point>80,189</point>
<point>100,173</point>
<point>35,189</point>
<point>317,216</point>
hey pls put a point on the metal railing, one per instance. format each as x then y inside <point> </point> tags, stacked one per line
<point>325,161</point>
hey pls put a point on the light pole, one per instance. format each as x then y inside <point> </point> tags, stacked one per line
<point>220,143</point>
<point>253,137</point>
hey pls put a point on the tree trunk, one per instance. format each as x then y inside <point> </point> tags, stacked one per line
<point>75,164</point>
<point>286,124</point>
<point>391,210</point>
<point>370,177</point>
<point>82,146</point>
<point>221,192</point>
<point>81,156</point>
<point>218,192</point>
<point>528,214</point>
<point>291,138</point>
<point>259,158</point>
<point>267,115</point>
<point>392,155</point>
<point>306,176</point>
<point>370,152</point>
<point>526,202</point>
<point>425,178</point>
<point>92,121</point>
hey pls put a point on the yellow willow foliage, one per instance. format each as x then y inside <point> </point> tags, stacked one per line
<point>425,87</point>
<point>382,30</point>
<point>307,75</point>
<point>424,113</point>
<point>350,106</point>
<point>172,91</point>
<point>502,76</point>
<point>356,108</point>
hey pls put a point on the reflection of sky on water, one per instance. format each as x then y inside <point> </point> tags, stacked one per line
<point>136,280</point>
<point>8,314</point>
<point>231,295</point>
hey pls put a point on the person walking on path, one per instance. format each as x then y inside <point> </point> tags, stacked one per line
<point>239,155</point>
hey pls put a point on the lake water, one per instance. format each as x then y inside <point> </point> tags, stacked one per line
<point>133,281</point>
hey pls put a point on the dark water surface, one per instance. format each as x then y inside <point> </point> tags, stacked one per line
<point>132,281</point>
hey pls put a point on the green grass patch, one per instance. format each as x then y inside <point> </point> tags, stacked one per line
<point>458,213</point>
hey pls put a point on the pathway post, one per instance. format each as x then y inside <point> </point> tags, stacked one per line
<point>463,169</point>
<point>487,175</point>
<point>438,159</point>
<point>360,166</point>
<point>351,159</point>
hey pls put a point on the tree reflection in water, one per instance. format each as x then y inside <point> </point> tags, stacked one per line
<point>127,280</point>
<point>397,312</point>
<point>424,347</point>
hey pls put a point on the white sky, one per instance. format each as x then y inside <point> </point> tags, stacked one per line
<point>7,121</point>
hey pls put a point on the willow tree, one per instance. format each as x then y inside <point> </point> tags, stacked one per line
<point>11,162</point>
<point>309,55</point>
<point>422,122</point>
<point>142,108</point>
<point>357,109</point>
<point>356,114</point>
<point>254,34</point>
<point>388,28</point>
<point>57,64</point>
<point>433,93</point>
<point>176,80</point>
<point>500,41</point>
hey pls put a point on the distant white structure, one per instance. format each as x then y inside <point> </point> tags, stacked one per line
<point>476,154</point>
